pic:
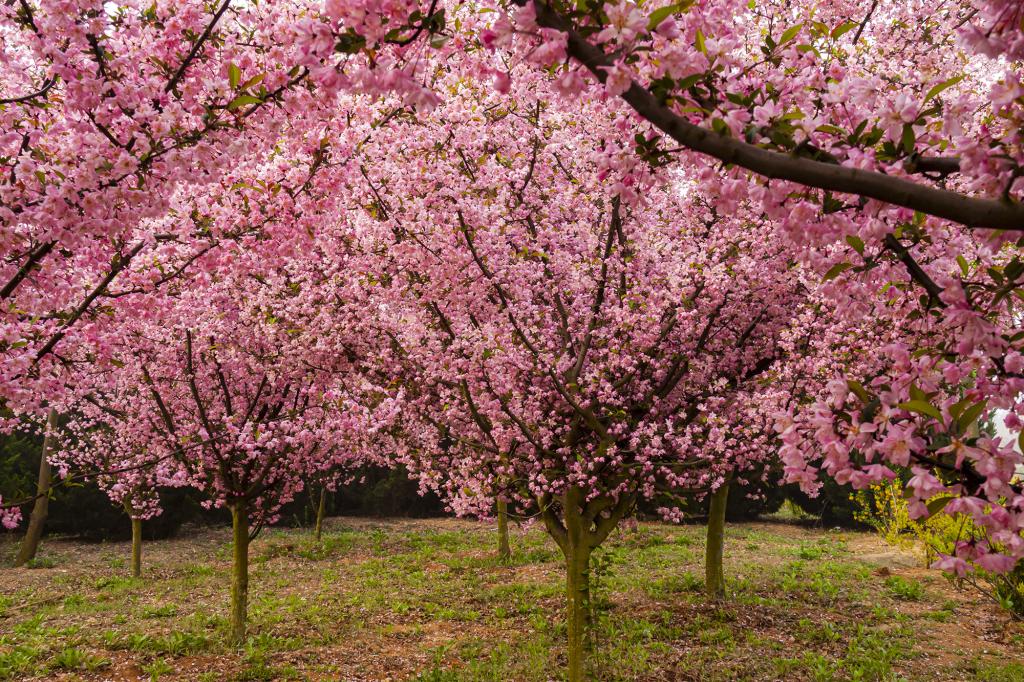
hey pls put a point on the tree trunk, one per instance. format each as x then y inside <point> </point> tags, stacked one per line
<point>320,514</point>
<point>714,579</point>
<point>577,548</point>
<point>577,574</point>
<point>30,543</point>
<point>582,528</point>
<point>239,571</point>
<point>504,548</point>
<point>136,547</point>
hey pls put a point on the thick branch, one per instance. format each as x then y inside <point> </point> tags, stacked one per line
<point>973,212</point>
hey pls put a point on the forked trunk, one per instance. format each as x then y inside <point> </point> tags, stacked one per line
<point>714,574</point>
<point>36,522</point>
<point>584,525</point>
<point>239,571</point>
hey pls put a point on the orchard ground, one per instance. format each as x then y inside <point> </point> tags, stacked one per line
<point>427,600</point>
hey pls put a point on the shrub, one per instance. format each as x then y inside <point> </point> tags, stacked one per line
<point>885,509</point>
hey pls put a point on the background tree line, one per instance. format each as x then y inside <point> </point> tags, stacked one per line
<point>82,510</point>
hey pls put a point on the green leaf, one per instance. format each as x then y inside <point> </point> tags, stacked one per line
<point>662,13</point>
<point>790,33</point>
<point>957,408</point>
<point>873,137</point>
<point>350,43</point>
<point>917,394</point>
<point>970,415</point>
<point>699,42</point>
<point>842,29</point>
<point>964,267</point>
<point>909,139</point>
<point>1013,269</point>
<point>856,242</point>
<point>938,504</point>
<point>255,80</point>
<point>234,75</point>
<point>690,81</point>
<point>870,411</point>
<point>437,21</point>
<point>836,270</point>
<point>830,129</point>
<point>858,131</point>
<point>859,390</point>
<point>241,101</point>
<point>936,89</point>
<point>921,407</point>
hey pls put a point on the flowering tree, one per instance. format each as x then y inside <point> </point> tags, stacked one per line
<point>104,112</point>
<point>129,475</point>
<point>224,391</point>
<point>871,167</point>
<point>243,185</point>
<point>572,341</point>
<point>693,64</point>
<point>868,140</point>
<point>752,74</point>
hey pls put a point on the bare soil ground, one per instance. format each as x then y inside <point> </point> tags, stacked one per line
<point>426,600</point>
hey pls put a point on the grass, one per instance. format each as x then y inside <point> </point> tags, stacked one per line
<point>73,658</point>
<point>904,589</point>
<point>429,602</point>
<point>1000,672</point>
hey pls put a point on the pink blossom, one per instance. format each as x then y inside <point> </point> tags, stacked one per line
<point>951,564</point>
<point>625,23</point>
<point>618,79</point>
<point>502,82</point>
<point>996,563</point>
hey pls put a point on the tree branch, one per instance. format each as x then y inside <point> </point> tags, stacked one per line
<point>975,212</point>
<point>196,46</point>
<point>118,265</point>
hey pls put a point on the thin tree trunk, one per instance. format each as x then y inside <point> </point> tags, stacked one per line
<point>320,513</point>
<point>714,579</point>
<point>239,571</point>
<point>30,543</point>
<point>136,547</point>
<point>504,548</point>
